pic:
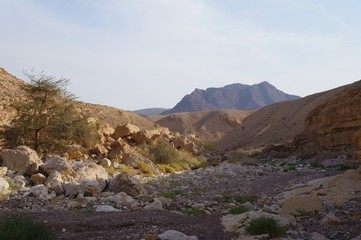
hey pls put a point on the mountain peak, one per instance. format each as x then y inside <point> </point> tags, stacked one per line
<point>233,96</point>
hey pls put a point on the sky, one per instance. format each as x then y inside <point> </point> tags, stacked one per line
<point>135,54</point>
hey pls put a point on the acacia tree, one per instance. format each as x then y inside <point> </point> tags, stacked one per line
<point>46,117</point>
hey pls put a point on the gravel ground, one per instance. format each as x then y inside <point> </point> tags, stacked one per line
<point>205,189</point>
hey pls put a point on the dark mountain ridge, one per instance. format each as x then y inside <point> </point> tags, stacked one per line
<point>233,96</point>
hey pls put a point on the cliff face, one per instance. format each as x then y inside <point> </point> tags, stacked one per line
<point>334,125</point>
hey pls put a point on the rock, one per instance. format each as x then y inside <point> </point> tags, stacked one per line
<point>128,184</point>
<point>54,178</point>
<point>357,238</point>
<point>300,205</point>
<point>330,218</point>
<point>327,163</point>
<point>39,191</point>
<point>154,206</point>
<point>57,188</point>
<point>105,208</point>
<point>22,159</point>
<point>124,130</point>
<point>105,163</point>
<point>122,199</point>
<point>271,209</point>
<point>91,188</point>
<point>318,236</point>
<point>100,150</point>
<point>175,235</point>
<point>3,171</point>
<point>165,201</point>
<point>236,223</point>
<point>74,171</point>
<point>233,223</point>
<point>4,185</point>
<point>37,178</point>
<point>20,181</point>
<point>291,219</point>
<point>133,160</point>
<point>141,137</point>
<point>118,149</point>
<point>55,164</point>
<point>72,190</point>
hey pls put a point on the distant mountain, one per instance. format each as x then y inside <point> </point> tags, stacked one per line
<point>150,111</point>
<point>234,96</point>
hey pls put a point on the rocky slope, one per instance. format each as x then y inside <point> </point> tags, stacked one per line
<point>278,123</point>
<point>334,125</point>
<point>234,96</point>
<point>208,126</point>
<point>10,89</point>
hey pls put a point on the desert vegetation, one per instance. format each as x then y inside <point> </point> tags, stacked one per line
<point>46,118</point>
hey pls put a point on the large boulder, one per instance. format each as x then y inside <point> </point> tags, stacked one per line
<point>301,205</point>
<point>39,191</point>
<point>128,184</point>
<point>86,171</point>
<point>75,171</point>
<point>55,164</point>
<point>22,159</point>
<point>125,130</point>
<point>122,199</point>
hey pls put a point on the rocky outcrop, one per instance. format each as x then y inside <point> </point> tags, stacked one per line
<point>335,125</point>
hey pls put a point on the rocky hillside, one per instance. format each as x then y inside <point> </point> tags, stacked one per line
<point>278,123</point>
<point>208,126</point>
<point>10,89</point>
<point>234,96</point>
<point>334,125</point>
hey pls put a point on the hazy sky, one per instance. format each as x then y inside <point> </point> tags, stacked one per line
<point>135,54</point>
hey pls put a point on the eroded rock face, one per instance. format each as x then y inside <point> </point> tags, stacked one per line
<point>335,125</point>
<point>22,159</point>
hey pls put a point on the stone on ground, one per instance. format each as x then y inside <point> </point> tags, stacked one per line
<point>175,235</point>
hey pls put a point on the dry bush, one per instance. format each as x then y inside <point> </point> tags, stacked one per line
<point>239,156</point>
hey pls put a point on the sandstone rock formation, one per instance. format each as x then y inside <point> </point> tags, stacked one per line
<point>334,125</point>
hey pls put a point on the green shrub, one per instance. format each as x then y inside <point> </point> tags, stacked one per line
<point>193,211</point>
<point>145,168</point>
<point>210,146</point>
<point>22,228</point>
<point>171,194</point>
<point>238,210</point>
<point>163,152</point>
<point>239,156</point>
<point>265,225</point>
<point>246,198</point>
<point>213,161</point>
